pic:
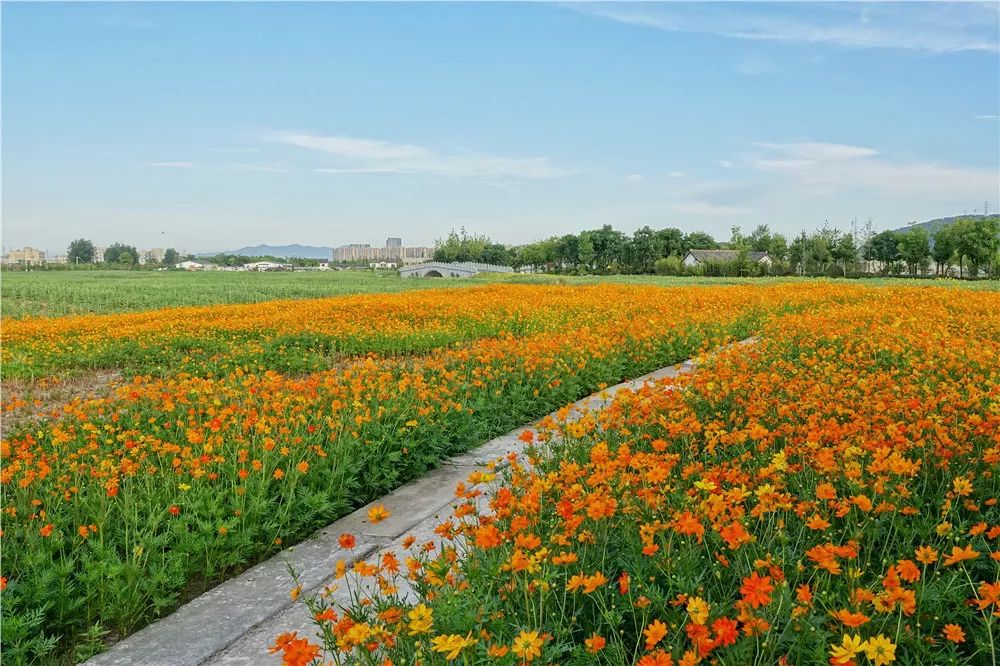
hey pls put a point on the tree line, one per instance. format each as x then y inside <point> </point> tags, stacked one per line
<point>82,252</point>
<point>971,244</point>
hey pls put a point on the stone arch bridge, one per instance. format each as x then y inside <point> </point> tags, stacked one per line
<point>462,269</point>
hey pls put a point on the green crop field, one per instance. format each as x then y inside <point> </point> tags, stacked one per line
<point>58,293</point>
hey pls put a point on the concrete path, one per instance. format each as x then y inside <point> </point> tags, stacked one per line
<point>235,622</point>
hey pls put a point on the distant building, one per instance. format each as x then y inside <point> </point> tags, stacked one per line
<point>60,259</point>
<point>27,256</point>
<point>393,251</point>
<point>382,264</point>
<point>191,265</point>
<point>267,266</point>
<point>153,255</point>
<point>456,269</point>
<point>700,257</point>
<point>99,251</point>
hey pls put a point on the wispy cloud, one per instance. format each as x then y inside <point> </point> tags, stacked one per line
<point>361,170</point>
<point>698,207</point>
<point>676,174</point>
<point>635,176</point>
<point>172,165</point>
<point>933,27</point>
<point>986,117</point>
<point>840,166</point>
<point>360,155</point>
<point>262,167</point>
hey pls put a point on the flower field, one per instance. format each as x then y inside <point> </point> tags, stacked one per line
<point>238,429</point>
<point>827,495</point>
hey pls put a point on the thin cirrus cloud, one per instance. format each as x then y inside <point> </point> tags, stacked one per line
<point>260,167</point>
<point>932,27</point>
<point>372,156</point>
<point>834,166</point>
<point>701,207</point>
<point>172,165</point>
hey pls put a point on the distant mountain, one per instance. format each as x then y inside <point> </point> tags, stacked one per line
<point>295,251</point>
<point>932,226</point>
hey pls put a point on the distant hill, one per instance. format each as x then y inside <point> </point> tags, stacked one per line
<point>933,226</point>
<point>295,251</point>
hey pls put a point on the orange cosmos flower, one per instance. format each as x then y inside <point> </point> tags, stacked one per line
<point>954,633</point>
<point>909,571</point>
<point>595,643</point>
<point>960,555</point>
<point>497,651</point>
<point>850,619</point>
<point>816,522</point>
<point>282,640</point>
<point>756,590</point>
<point>926,555</point>
<point>347,541</point>
<point>377,514</point>
<point>654,633</point>
<point>299,653</point>
<point>725,630</point>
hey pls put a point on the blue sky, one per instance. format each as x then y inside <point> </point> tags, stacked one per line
<point>211,126</point>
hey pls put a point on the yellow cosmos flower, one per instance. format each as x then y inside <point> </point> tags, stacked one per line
<point>880,650</point>
<point>452,644</point>
<point>847,650</point>
<point>421,620</point>
<point>528,645</point>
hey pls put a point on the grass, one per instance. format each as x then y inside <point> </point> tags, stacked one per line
<point>58,293</point>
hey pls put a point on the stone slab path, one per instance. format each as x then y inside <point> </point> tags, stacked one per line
<point>235,622</point>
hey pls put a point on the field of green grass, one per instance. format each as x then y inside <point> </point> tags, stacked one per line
<point>58,293</point>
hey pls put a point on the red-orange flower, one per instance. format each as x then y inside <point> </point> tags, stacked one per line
<point>756,590</point>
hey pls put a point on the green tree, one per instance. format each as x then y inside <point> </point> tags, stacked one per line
<point>914,248</point>
<point>495,253</point>
<point>698,240</point>
<point>845,252</point>
<point>586,252</point>
<point>171,257</point>
<point>460,246</point>
<point>944,249</point>
<point>760,239</point>
<point>979,241</point>
<point>115,253</point>
<point>609,246</point>
<point>778,248</point>
<point>537,255</point>
<point>80,251</point>
<point>884,248</point>
<point>567,251</point>
<point>645,250</point>
<point>670,242</point>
